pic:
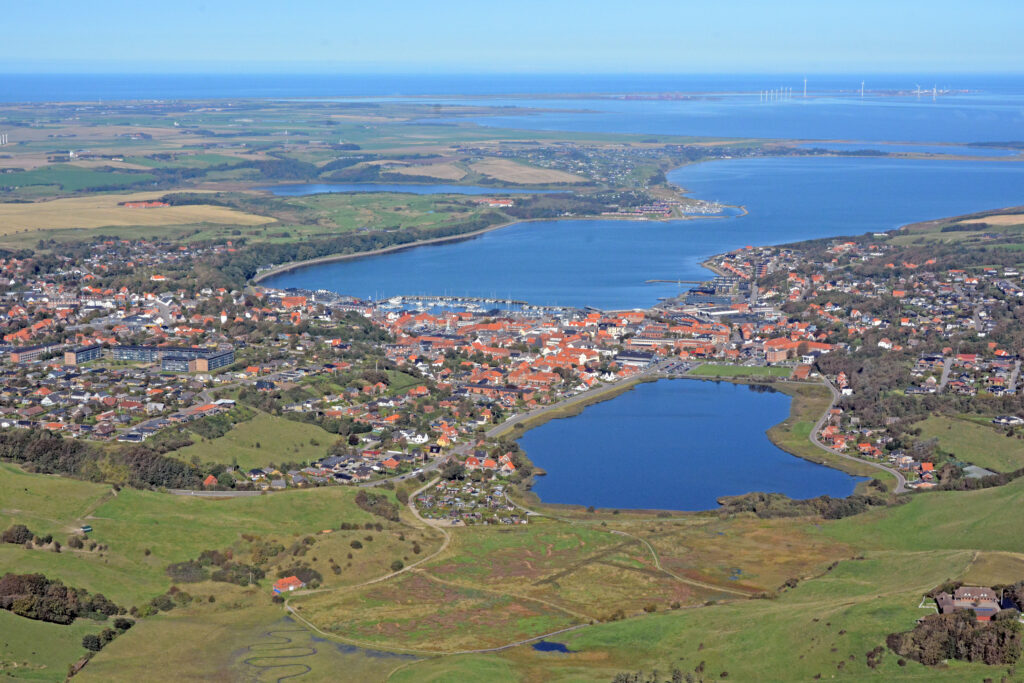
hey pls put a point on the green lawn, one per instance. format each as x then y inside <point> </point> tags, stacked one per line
<point>260,441</point>
<point>709,370</point>
<point>33,650</point>
<point>975,443</point>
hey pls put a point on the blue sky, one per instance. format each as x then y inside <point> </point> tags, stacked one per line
<point>559,36</point>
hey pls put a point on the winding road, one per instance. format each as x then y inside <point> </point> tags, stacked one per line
<point>901,481</point>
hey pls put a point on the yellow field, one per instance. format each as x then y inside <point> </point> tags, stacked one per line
<point>512,172</point>
<point>439,171</point>
<point>103,211</point>
<point>997,219</point>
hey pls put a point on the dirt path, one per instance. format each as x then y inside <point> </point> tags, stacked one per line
<point>294,613</point>
<point>692,582</point>
<point>276,651</point>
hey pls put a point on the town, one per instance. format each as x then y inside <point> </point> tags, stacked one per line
<point>409,383</point>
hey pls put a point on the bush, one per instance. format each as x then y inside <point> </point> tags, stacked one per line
<point>377,504</point>
<point>162,603</point>
<point>189,571</point>
<point>122,624</point>
<point>397,565</point>
<point>356,544</point>
<point>35,597</point>
<point>92,643</point>
<point>17,533</point>
<point>959,636</point>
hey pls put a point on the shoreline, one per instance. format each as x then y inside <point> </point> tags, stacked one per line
<point>775,434</point>
<point>332,258</point>
<point>431,241</point>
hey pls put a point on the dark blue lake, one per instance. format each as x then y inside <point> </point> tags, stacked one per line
<point>301,189</point>
<point>674,445</point>
<point>549,646</point>
<point>606,263</point>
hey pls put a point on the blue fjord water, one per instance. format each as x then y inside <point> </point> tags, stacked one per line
<point>674,445</point>
<point>606,263</point>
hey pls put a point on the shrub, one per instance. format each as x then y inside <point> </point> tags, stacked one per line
<point>377,504</point>
<point>189,571</point>
<point>17,533</point>
<point>356,544</point>
<point>35,597</point>
<point>397,565</point>
<point>92,643</point>
<point>162,603</point>
<point>958,636</point>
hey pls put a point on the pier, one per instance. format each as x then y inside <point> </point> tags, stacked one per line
<point>471,300</point>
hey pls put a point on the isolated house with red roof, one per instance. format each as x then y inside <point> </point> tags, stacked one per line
<point>288,583</point>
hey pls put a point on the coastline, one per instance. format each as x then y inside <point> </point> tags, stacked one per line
<point>332,258</point>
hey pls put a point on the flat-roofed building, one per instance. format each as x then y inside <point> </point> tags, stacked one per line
<point>83,354</point>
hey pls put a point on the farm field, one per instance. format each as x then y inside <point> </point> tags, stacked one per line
<point>437,171</point>
<point>72,178</point>
<point>387,210</point>
<point>263,440</point>
<point>103,211</point>
<point>975,443</point>
<point>521,174</point>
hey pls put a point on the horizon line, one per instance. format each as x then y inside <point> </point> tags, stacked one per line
<point>388,72</point>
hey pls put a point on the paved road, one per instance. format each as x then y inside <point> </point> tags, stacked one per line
<point>901,481</point>
<point>658,369</point>
<point>947,365</point>
<point>1012,384</point>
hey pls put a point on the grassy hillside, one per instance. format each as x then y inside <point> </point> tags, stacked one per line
<point>825,626</point>
<point>260,441</point>
<point>975,443</point>
<point>977,520</point>
<point>857,580</point>
<point>171,528</point>
<point>38,651</point>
